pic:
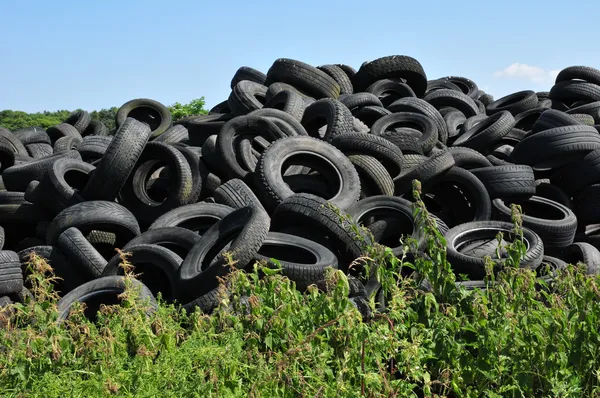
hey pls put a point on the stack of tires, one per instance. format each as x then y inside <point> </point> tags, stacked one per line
<point>278,169</point>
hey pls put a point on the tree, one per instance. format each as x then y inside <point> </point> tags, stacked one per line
<point>106,116</point>
<point>194,107</point>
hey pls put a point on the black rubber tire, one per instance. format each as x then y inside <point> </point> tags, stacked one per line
<point>17,177</point>
<point>197,217</point>
<point>370,114</point>
<point>374,178</point>
<point>417,105</point>
<point>247,73</point>
<point>118,161</point>
<point>38,151</point>
<point>155,266</point>
<point>66,144</point>
<point>80,120</point>
<point>32,135</point>
<point>97,215</point>
<point>2,238</point>
<point>569,92</point>
<point>526,120</point>
<point>301,260</point>
<point>316,154</point>
<point>105,290</point>
<point>69,276</point>
<point>330,113</point>
<point>545,189</point>
<point>360,100</point>
<point>289,102</point>
<point>454,120</point>
<point>245,229</point>
<point>194,161</point>
<point>554,223</point>
<point>577,175</point>
<point>321,220</point>
<point>488,132</point>
<point>242,125</point>
<point>487,230</point>
<point>585,73</point>
<point>307,78</point>
<point>514,103</point>
<point>392,67</point>
<point>507,181</point>
<point>288,124</point>
<point>466,86</point>
<point>580,252</point>
<point>468,158</point>
<point>552,119</point>
<point>97,128</point>
<point>587,205</point>
<point>11,276</point>
<point>59,187</point>
<point>236,194</point>
<point>556,147</point>
<point>153,114</point>
<point>246,97</point>
<point>134,194</point>
<point>406,139</point>
<point>81,254</point>
<point>423,124</point>
<point>173,135</point>
<point>591,108</point>
<point>207,303</point>
<point>368,144</point>
<point>179,240</point>
<point>93,147</point>
<point>388,91</point>
<point>428,169</point>
<point>62,130</point>
<point>445,98</point>
<point>340,76</point>
<point>391,209</point>
<point>7,156</point>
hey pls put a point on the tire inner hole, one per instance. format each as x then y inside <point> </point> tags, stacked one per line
<point>148,115</point>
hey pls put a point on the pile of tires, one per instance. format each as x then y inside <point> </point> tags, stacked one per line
<point>278,169</point>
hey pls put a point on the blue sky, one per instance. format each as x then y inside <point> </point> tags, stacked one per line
<point>97,54</point>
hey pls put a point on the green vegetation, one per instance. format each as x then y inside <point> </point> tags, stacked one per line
<point>519,337</point>
<point>14,120</point>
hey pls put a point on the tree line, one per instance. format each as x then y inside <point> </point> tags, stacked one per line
<point>14,120</point>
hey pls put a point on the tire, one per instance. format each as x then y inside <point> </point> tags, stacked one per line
<point>370,114</point>
<point>69,277</point>
<point>577,175</point>
<point>392,67</point>
<point>406,139</point>
<point>546,190</point>
<point>321,220</point>
<point>152,113</point>
<point>32,135</point>
<point>289,102</point>
<point>38,151</point>
<point>452,99</point>
<point>118,161</point>
<point>66,144</point>
<point>468,158</point>
<point>134,194</point>
<point>301,260</point>
<point>80,120</point>
<point>93,147</point>
<point>428,169</point>
<point>179,240</point>
<point>374,178</point>
<point>484,135</point>
<point>246,229</point>
<point>392,210</point>
<point>198,217</point>
<point>425,126</point>
<point>514,103</point>
<point>248,73</point>
<point>309,79</point>
<point>454,120</point>
<point>507,181</point>
<point>288,124</point>
<point>341,78</point>
<point>585,73</point>
<point>466,86</point>
<point>97,128</point>
<point>419,106</point>
<point>246,96</point>
<point>360,100</point>
<point>526,120</point>
<point>389,91</point>
<point>569,92</point>
<point>7,138</point>
<point>7,157</point>
<point>11,276</point>
<point>330,113</point>
<point>554,223</point>
<point>97,215</point>
<point>155,266</point>
<point>556,147</point>
<point>105,290</point>
<point>236,194</point>
<point>17,177</point>
<point>592,109</point>
<point>173,135</point>
<point>487,230</point>
<point>552,119</point>
<point>80,253</point>
<point>316,154</point>
<point>62,130</point>
<point>368,144</point>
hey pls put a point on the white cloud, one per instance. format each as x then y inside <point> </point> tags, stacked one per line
<point>534,74</point>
